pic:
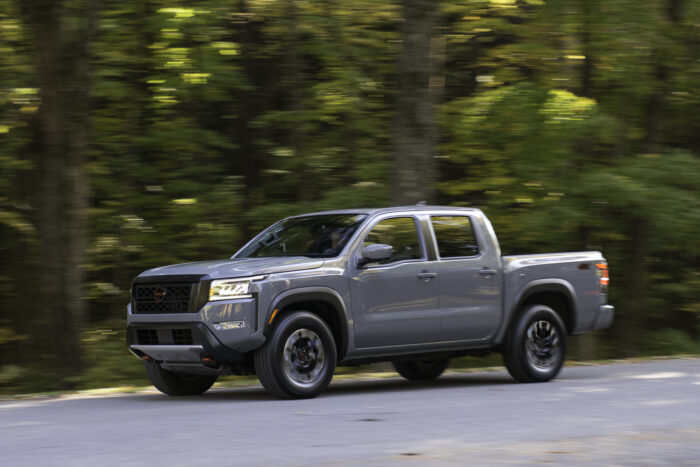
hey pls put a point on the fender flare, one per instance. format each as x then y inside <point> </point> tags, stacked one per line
<point>317,294</point>
<point>537,286</point>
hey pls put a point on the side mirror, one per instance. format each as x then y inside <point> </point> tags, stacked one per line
<point>374,252</point>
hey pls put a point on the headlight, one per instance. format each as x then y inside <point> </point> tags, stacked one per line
<point>226,289</point>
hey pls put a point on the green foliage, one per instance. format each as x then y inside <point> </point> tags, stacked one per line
<point>670,342</point>
<point>108,362</point>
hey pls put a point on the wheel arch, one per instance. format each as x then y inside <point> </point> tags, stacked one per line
<point>557,294</point>
<point>324,302</point>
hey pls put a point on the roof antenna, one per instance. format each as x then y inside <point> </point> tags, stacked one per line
<point>420,203</point>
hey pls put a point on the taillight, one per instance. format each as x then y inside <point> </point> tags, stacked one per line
<point>604,276</point>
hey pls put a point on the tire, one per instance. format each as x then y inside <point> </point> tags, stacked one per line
<point>175,384</point>
<point>535,346</point>
<point>298,359</point>
<point>421,370</point>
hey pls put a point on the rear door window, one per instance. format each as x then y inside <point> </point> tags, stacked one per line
<point>455,236</point>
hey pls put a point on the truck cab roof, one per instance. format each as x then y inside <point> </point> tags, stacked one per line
<point>391,209</point>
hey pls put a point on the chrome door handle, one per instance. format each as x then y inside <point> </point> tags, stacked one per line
<point>487,272</point>
<point>426,276</point>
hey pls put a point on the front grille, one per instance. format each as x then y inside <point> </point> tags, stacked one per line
<point>162,298</point>
<point>147,336</point>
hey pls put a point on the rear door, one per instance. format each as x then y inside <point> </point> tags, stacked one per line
<point>395,302</point>
<point>469,286</point>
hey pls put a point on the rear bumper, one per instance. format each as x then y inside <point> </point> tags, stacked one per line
<point>604,317</point>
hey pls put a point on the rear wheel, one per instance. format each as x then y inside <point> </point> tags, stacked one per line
<point>421,370</point>
<point>175,384</point>
<point>535,345</point>
<point>299,357</point>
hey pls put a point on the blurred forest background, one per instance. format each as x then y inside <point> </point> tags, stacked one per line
<point>135,133</point>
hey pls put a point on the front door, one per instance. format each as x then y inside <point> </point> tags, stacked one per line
<point>395,301</point>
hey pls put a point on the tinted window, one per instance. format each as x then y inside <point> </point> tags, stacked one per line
<point>400,233</point>
<point>455,236</point>
<point>321,236</point>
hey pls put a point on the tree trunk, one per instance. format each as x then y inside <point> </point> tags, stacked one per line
<point>662,75</point>
<point>588,7</point>
<point>294,86</point>
<point>414,162</point>
<point>633,319</point>
<point>61,36</point>
<point>247,107</point>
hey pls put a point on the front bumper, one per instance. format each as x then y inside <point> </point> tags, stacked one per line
<point>188,337</point>
<point>604,317</point>
<point>202,343</point>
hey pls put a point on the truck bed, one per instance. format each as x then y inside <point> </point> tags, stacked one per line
<point>574,271</point>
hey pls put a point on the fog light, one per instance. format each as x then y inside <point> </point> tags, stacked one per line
<point>229,325</point>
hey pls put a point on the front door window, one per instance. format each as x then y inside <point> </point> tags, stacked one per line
<point>401,234</point>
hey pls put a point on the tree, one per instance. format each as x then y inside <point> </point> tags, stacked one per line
<point>62,32</point>
<point>414,162</point>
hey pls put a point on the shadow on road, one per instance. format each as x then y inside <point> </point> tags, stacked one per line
<point>398,384</point>
<point>346,387</point>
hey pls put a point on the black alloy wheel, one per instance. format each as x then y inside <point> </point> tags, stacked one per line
<point>299,357</point>
<point>421,370</point>
<point>177,384</point>
<point>535,346</point>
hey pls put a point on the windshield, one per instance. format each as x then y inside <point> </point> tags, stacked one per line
<point>321,236</point>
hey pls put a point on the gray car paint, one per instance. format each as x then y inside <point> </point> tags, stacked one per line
<point>241,267</point>
<point>391,311</point>
<point>395,304</point>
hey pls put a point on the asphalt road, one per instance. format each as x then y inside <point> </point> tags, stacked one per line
<point>619,414</point>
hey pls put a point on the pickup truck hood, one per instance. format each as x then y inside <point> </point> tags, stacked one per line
<point>239,267</point>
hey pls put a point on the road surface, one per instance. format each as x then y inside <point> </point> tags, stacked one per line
<point>620,414</point>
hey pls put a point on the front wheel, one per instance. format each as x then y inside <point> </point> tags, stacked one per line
<point>421,370</point>
<point>175,384</point>
<point>299,357</point>
<point>536,345</point>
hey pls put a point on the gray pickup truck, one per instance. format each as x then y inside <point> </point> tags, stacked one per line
<point>413,285</point>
